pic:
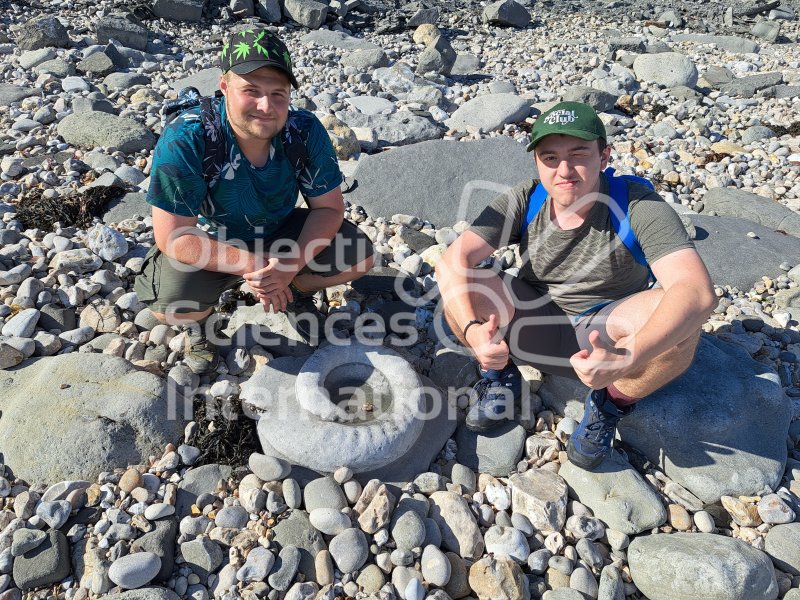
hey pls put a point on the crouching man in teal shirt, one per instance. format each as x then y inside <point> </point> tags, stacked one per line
<point>254,230</point>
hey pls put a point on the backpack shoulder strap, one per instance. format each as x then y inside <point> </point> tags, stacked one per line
<point>214,155</point>
<point>536,200</point>
<point>618,211</point>
<point>295,148</point>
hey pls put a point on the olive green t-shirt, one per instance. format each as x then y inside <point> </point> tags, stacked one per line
<point>583,267</point>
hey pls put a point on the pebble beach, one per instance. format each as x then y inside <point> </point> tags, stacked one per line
<point>102,496</point>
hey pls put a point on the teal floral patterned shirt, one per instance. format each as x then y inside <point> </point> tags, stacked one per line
<point>246,202</point>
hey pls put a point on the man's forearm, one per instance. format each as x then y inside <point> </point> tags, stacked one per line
<point>202,251</point>
<point>681,312</point>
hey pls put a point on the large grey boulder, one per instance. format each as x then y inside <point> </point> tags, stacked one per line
<point>179,10</point>
<point>15,93</point>
<point>337,39</point>
<point>668,69</point>
<point>719,429</point>
<point>75,415</point>
<point>268,10</point>
<point>617,495</point>
<point>396,129</point>
<point>729,43</point>
<point>783,546</point>
<point>123,29</point>
<point>308,13</point>
<point>441,181</point>
<point>600,100</point>
<point>89,129</point>
<point>746,205</point>
<point>489,112</point>
<point>439,57</point>
<point>507,13</point>
<point>42,32</point>
<point>700,565</point>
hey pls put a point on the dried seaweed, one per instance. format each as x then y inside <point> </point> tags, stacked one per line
<point>226,435</point>
<point>793,129</point>
<point>35,211</point>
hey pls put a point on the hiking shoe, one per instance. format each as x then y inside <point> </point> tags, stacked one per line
<point>496,393</point>
<point>200,354</point>
<point>591,442</point>
<point>306,318</point>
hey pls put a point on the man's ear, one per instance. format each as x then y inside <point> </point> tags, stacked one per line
<point>605,156</point>
<point>223,83</point>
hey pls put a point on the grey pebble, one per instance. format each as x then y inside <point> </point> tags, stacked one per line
<point>234,517</point>
<point>268,468</point>
<point>25,540</point>
<point>285,568</point>
<point>349,550</point>
<point>134,570</point>
<point>55,514</point>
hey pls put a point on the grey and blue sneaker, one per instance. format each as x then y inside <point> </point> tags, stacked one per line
<point>495,392</point>
<point>591,442</point>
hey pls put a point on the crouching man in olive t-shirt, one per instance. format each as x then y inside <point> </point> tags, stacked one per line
<point>581,306</point>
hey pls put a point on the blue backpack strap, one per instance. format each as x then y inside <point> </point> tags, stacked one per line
<point>536,200</point>
<point>618,211</point>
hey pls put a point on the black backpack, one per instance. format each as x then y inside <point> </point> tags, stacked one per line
<point>214,157</point>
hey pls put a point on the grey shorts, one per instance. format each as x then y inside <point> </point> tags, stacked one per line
<point>162,285</point>
<point>544,336</point>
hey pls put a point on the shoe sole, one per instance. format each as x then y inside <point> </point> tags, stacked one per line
<point>580,460</point>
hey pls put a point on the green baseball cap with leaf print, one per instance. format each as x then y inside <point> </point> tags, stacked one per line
<point>250,49</point>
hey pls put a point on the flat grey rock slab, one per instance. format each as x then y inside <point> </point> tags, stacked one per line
<point>719,429</point>
<point>441,181</point>
<point>206,81</point>
<point>720,238</point>
<point>496,452</point>
<point>337,39</point>
<point>106,415</point>
<point>97,128</point>
<point>489,112</point>
<point>700,565</point>
<point>126,207</point>
<point>15,93</point>
<point>749,85</point>
<point>398,129</point>
<point>44,565</point>
<point>746,205</point>
<point>729,43</point>
<point>617,495</point>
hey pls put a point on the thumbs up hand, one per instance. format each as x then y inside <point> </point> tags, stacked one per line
<point>488,345</point>
<point>603,364</point>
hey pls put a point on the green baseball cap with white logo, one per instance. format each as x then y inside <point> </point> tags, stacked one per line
<point>249,49</point>
<point>568,118</point>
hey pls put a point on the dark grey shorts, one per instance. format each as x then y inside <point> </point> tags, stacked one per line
<point>544,336</point>
<point>164,285</point>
